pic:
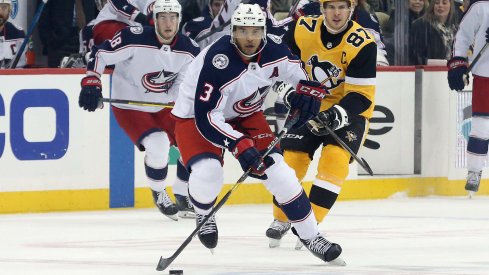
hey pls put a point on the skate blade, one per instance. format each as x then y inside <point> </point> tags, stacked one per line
<point>298,245</point>
<point>337,262</point>
<point>212,250</point>
<point>273,243</point>
<point>471,194</point>
<point>186,214</point>
<point>173,217</point>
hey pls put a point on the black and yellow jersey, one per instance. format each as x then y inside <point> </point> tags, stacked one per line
<point>344,62</point>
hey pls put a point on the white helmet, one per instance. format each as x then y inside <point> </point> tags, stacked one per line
<point>6,2</point>
<point>248,15</point>
<point>167,6</point>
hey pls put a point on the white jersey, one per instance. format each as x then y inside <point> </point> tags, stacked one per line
<point>219,86</point>
<point>11,38</point>
<point>472,31</point>
<point>144,70</point>
<point>124,11</point>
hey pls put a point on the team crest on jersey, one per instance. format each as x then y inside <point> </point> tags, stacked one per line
<point>158,82</point>
<point>220,61</point>
<point>351,136</point>
<point>251,103</point>
<point>136,29</point>
<point>325,71</point>
<point>275,38</point>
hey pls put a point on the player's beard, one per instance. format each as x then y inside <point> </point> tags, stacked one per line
<point>3,20</point>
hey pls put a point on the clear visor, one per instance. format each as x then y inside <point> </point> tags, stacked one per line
<point>248,33</point>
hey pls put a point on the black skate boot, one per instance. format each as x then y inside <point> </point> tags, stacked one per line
<point>164,204</point>
<point>185,208</point>
<point>323,249</point>
<point>276,231</point>
<point>473,182</point>
<point>208,232</point>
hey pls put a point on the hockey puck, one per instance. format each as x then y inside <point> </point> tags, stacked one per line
<point>176,271</point>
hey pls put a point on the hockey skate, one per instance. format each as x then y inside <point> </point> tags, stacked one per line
<point>473,182</point>
<point>276,231</point>
<point>185,208</point>
<point>165,205</point>
<point>324,250</point>
<point>208,233</point>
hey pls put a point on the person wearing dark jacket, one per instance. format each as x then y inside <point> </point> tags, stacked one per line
<point>431,36</point>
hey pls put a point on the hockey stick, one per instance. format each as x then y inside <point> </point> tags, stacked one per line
<point>293,8</point>
<point>361,161</point>
<point>477,58</point>
<point>165,262</point>
<point>135,102</point>
<point>28,34</point>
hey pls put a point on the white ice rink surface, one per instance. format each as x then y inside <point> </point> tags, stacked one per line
<point>436,235</point>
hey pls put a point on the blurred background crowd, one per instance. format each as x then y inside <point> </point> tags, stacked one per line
<point>408,32</point>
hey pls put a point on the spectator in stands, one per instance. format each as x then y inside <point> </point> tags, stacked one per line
<point>11,37</point>
<point>380,5</point>
<point>431,36</point>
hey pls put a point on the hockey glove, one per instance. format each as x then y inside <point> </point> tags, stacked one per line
<point>335,118</point>
<point>487,35</point>
<point>304,102</point>
<point>457,73</point>
<point>91,93</point>
<point>249,158</point>
<point>142,19</point>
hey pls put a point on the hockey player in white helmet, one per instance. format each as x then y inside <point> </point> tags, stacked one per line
<point>219,107</point>
<point>150,65</point>
<point>11,37</point>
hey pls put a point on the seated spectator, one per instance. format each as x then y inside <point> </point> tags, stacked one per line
<point>11,38</point>
<point>431,36</point>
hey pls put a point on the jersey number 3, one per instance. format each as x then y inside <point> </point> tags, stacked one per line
<point>206,93</point>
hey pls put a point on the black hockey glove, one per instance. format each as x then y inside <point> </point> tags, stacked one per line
<point>91,93</point>
<point>457,73</point>
<point>335,118</point>
<point>142,19</point>
<point>303,101</point>
<point>249,158</point>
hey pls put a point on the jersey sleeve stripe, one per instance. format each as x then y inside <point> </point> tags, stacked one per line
<point>360,81</point>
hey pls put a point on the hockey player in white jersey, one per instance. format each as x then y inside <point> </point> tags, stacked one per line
<point>11,37</point>
<point>473,29</point>
<point>150,65</point>
<point>220,107</point>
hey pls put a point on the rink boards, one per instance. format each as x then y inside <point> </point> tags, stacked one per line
<point>55,157</point>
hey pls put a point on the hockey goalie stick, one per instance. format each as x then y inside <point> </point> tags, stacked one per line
<point>360,161</point>
<point>28,34</point>
<point>165,262</point>
<point>135,102</point>
<point>220,28</point>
